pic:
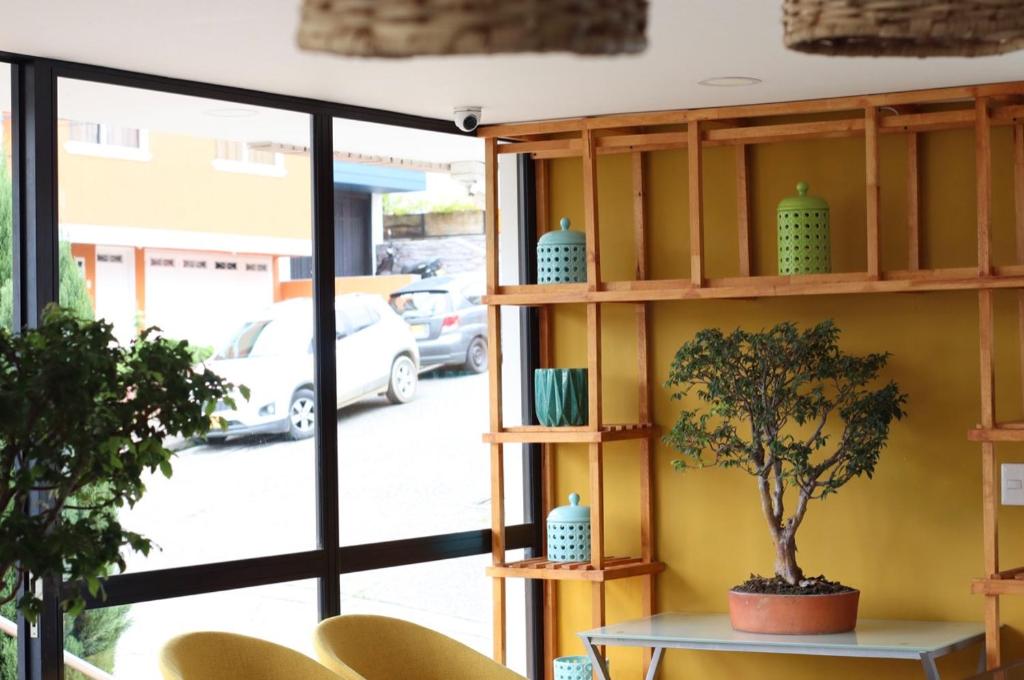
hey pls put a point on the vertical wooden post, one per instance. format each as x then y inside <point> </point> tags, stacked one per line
<point>696,186</point>
<point>913,205</point>
<point>1018,223</point>
<point>639,215</point>
<point>743,207</point>
<point>596,464</point>
<point>540,170</point>
<point>590,212</point>
<point>871,183</point>
<point>491,212</point>
<point>643,396</point>
<point>989,479</point>
<point>597,612</point>
<point>983,174</point>
<point>495,397</point>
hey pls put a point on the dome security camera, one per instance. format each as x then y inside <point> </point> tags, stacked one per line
<point>467,118</point>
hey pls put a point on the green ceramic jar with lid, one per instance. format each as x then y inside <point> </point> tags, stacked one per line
<point>569,532</point>
<point>805,245</point>
<point>562,255</point>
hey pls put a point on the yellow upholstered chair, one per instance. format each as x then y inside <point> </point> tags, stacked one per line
<point>226,656</point>
<point>361,647</point>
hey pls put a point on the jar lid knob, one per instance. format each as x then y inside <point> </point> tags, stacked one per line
<point>574,498</point>
<point>801,188</point>
<point>564,222</point>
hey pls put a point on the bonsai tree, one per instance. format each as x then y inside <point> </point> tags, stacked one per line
<point>769,397</point>
<point>82,419</point>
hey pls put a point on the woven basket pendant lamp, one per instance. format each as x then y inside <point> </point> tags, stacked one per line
<point>904,28</point>
<point>406,28</point>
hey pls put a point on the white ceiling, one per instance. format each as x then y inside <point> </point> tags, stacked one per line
<point>251,43</point>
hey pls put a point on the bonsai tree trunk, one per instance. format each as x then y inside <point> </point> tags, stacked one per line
<point>783,530</point>
<point>785,559</point>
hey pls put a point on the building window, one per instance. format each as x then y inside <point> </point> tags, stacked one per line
<point>237,156</point>
<point>107,141</point>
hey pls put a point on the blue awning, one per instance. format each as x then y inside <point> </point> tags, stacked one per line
<point>377,179</point>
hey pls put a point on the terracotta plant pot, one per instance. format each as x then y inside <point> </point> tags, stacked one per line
<point>793,614</point>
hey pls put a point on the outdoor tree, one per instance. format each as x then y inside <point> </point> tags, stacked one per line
<point>769,398</point>
<point>73,291</point>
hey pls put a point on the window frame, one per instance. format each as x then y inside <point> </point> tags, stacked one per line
<point>34,159</point>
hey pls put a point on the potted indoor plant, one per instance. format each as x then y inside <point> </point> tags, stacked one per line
<point>82,420</point>
<point>771,399</point>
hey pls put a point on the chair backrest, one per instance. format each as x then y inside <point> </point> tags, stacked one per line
<point>227,656</point>
<point>362,647</point>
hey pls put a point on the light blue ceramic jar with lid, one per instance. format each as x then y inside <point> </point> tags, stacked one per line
<point>562,255</point>
<point>569,532</point>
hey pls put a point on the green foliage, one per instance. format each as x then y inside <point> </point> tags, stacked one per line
<point>199,353</point>
<point>74,293</point>
<point>768,397</point>
<point>91,635</point>
<point>79,412</point>
<point>6,253</point>
<point>400,204</point>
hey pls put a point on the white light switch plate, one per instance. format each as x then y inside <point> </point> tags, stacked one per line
<point>1013,483</point>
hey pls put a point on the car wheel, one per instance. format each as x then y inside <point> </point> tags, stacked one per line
<point>476,356</point>
<point>302,415</point>
<point>402,384</point>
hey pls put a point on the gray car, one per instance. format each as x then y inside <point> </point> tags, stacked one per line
<point>448,320</point>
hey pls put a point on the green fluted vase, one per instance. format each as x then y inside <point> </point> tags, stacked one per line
<point>560,396</point>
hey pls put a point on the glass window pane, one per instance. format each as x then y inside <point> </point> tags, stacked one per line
<point>409,223</point>
<point>285,613</point>
<point>155,231</point>
<point>6,222</point>
<point>453,597</point>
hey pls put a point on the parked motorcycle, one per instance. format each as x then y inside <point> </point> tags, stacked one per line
<point>426,269</point>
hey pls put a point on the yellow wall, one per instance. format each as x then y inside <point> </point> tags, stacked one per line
<point>910,539</point>
<point>179,189</point>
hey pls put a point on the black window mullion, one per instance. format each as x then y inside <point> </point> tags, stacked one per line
<point>34,246</point>
<point>322,159</point>
<point>529,343</point>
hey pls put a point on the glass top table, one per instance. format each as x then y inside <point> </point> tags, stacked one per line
<point>923,641</point>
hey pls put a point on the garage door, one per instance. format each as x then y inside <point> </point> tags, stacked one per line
<point>203,297</point>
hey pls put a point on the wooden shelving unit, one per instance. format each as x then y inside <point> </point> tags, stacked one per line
<point>907,114</point>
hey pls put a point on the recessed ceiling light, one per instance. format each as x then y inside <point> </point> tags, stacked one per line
<point>730,81</point>
<point>232,113</point>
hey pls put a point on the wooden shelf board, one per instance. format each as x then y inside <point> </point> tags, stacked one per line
<point>998,586</point>
<point>961,278</point>
<point>540,568</point>
<point>537,434</point>
<point>1002,432</point>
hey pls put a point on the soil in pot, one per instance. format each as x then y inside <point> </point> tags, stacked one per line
<point>814,606</point>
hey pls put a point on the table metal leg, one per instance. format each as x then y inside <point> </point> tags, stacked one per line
<point>931,671</point>
<point>595,658</point>
<point>652,671</point>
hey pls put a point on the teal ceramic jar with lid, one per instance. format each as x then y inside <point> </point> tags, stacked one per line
<point>562,256</point>
<point>805,245</point>
<point>569,532</point>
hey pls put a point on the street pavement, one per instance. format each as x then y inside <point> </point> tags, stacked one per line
<point>405,470</point>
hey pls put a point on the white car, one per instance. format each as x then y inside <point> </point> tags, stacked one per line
<point>272,355</point>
